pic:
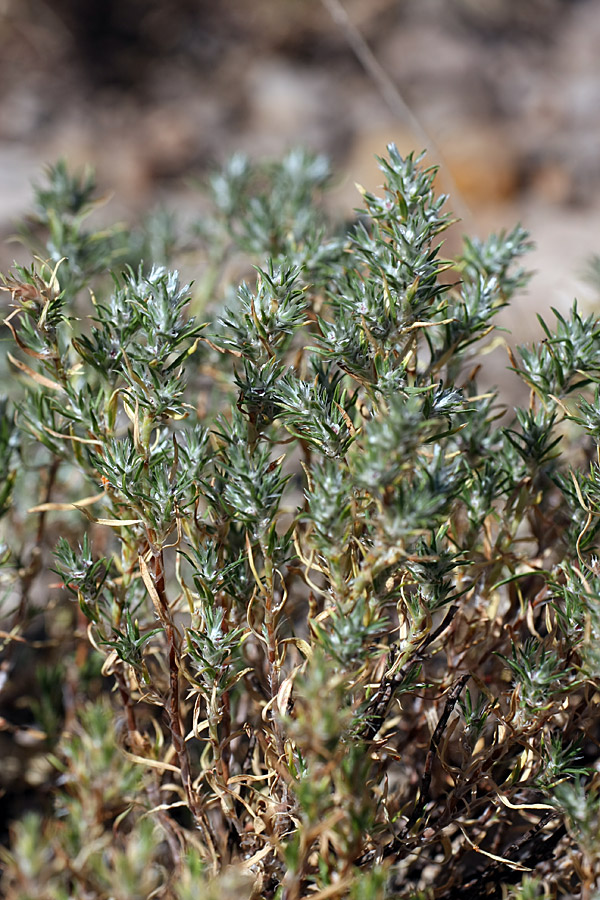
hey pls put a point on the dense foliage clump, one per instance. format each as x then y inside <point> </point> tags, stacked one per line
<point>293,608</point>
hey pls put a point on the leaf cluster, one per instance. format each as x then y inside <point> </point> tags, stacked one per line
<point>348,609</point>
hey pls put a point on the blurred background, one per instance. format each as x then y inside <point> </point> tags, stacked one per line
<point>154,93</point>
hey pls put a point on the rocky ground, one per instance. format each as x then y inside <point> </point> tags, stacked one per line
<point>506,93</point>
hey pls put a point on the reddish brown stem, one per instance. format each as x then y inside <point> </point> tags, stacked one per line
<point>225,745</point>
<point>173,710</point>
<point>173,706</point>
<point>153,786</point>
<point>51,478</point>
<point>127,704</point>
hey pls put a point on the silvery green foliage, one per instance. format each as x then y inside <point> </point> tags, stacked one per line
<point>350,613</point>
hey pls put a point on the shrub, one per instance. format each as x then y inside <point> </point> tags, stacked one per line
<point>348,614</point>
